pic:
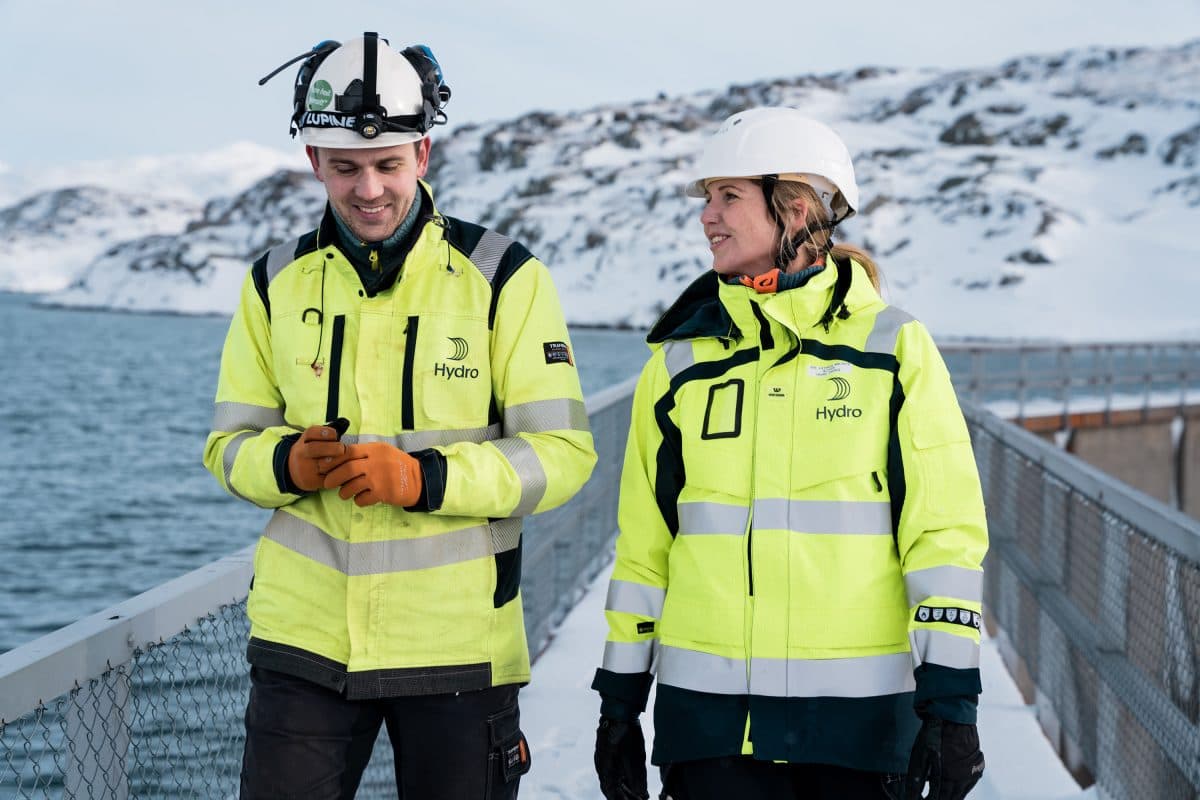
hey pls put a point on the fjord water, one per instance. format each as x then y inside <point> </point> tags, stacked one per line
<point>104,416</point>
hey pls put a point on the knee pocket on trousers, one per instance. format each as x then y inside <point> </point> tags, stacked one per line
<point>508,752</point>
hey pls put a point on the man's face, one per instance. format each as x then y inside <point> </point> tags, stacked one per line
<point>371,189</point>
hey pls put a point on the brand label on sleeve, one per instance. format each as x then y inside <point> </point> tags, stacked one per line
<point>557,353</point>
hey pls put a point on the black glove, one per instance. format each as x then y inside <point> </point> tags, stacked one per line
<point>621,760</point>
<point>947,755</point>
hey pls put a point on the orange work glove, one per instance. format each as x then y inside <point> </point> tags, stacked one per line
<point>377,472</point>
<point>316,452</point>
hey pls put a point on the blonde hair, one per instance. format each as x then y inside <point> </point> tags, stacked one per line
<point>817,244</point>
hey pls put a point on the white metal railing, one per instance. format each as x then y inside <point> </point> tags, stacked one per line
<point>1017,381</point>
<point>145,699</point>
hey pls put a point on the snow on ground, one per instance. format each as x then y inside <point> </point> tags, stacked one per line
<point>559,713</point>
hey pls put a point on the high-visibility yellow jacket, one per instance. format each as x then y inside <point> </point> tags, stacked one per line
<point>801,532</point>
<point>464,361</point>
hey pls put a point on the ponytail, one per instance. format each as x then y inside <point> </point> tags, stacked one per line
<point>818,243</point>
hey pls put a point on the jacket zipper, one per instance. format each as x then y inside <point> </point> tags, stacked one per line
<point>406,388</point>
<point>335,366</point>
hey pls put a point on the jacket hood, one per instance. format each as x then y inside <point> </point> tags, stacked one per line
<point>697,313</point>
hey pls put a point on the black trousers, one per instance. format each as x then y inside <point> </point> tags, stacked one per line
<point>305,741</point>
<point>747,779</point>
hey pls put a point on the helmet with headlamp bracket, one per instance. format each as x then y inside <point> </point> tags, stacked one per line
<point>360,94</point>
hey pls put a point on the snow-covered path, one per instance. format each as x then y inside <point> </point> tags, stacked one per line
<point>559,714</point>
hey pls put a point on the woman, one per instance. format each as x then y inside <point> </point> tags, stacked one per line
<point>801,523</point>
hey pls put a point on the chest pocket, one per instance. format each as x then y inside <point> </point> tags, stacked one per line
<point>844,415</point>
<point>448,366</point>
<point>723,413</point>
<point>303,356</point>
<point>715,435</point>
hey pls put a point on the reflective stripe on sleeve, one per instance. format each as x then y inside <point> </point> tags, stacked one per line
<point>546,415</point>
<point>824,516</point>
<point>525,462</point>
<point>229,457</point>
<point>229,417</point>
<point>629,657</point>
<point>943,648</point>
<point>394,555</point>
<point>635,598</point>
<point>959,583</point>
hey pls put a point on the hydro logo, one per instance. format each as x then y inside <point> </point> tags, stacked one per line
<point>830,413</point>
<point>841,390</point>
<point>455,372</point>
<point>459,349</point>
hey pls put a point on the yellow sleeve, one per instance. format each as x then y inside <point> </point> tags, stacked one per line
<point>248,414</point>
<point>546,453</point>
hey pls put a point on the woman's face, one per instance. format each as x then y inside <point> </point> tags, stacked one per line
<point>741,234</point>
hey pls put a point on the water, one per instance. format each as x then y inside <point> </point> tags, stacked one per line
<point>104,495</point>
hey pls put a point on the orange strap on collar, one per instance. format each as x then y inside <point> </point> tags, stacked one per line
<point>767,283</point>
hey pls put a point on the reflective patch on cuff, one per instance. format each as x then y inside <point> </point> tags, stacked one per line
<point>955,616</point>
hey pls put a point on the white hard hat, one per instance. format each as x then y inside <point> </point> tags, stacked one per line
<point>783,142</point>
<point>365,94</point>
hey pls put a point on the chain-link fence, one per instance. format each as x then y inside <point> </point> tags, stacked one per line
<point>1096,590</point>
<point>146,699</point>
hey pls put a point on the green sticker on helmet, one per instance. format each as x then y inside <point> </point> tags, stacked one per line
<point>320,96</point>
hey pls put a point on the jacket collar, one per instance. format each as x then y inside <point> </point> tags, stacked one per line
<point>697,313</point>
<point>713,308</point>
<point>329,235</point>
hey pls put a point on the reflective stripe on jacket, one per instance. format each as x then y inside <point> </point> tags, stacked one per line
<point>801,531</point>
<point>467,353</point>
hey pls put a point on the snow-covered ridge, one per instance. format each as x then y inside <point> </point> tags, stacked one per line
<point>1051,196</point>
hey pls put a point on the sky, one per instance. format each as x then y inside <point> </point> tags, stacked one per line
<point>88,81</point>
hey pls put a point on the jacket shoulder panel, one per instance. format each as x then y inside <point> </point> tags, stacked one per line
<point>496,256</point>
<point>271,263</point>
<point>886,330</point>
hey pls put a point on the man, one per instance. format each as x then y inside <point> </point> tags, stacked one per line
<point>387,582</point>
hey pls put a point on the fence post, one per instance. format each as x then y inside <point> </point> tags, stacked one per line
<point>1114,586</point>
<point>1056,521</point>
<point>1109,755</point>
<point>1180,641</point>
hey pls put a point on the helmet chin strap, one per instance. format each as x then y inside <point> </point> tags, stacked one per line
<point>787,253</point>
<point>790,248</point>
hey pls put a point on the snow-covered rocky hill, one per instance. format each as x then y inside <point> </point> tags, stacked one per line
<point>1051,196</point>
<point>54,222</point>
